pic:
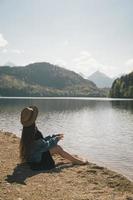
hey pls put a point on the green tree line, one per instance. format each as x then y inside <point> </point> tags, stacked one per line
<point>122,87</point>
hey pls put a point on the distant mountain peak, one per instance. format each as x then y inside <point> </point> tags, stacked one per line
<point>100,73</point>
<point>97,71</point>
<point>101,79</point>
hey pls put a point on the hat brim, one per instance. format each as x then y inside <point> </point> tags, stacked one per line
<point>33,118</point>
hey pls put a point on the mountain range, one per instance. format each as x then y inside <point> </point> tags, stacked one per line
<point>45,79</point>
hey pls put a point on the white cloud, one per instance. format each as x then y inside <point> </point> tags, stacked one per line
<point>85,54</point>
<point>3,42</point>
<point>14,51</point>
<point>85,63</point>
<point>129,65</point>
<point>4,51</point>
<point>129,62</point>
<point>65,43</point>
<point>60,62</point>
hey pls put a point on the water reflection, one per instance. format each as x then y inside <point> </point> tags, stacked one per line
<point>62,104</point>
<point>46,104</point>
<point>125,105</point>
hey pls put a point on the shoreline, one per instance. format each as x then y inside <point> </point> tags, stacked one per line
<point>64,182</point>
<point>109,167</point>
<point>114,169</point>
<point>63,97</point>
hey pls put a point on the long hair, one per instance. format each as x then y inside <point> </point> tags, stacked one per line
<point>29,135</point>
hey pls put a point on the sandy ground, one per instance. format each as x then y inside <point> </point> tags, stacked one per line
<point>66,182</point>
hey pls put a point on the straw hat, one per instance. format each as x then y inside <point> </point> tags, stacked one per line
<point>29,115</point>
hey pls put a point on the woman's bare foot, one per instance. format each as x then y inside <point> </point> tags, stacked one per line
<point>80,162</point>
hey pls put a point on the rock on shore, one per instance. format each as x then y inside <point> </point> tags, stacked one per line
<point>66,182</point>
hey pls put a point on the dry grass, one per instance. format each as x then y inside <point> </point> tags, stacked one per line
<point>66,182</point>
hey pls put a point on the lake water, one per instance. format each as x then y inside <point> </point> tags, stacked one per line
<point>99,129</point>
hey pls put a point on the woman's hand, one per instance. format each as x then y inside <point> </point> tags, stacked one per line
<point>60,136</point>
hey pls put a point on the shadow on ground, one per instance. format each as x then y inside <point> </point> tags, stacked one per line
<point>22,172</point>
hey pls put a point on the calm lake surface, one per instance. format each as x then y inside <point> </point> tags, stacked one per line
<point>99,129</point>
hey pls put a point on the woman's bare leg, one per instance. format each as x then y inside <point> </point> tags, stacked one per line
<point>74,159</point>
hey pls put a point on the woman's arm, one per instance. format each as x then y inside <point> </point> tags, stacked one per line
<point>54,135</point>
<point>43,145</point>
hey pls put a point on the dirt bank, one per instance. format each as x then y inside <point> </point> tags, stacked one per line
<point>18,182</point>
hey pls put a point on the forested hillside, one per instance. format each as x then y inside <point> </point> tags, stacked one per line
<point>44,79</point>
<point>123,87</point>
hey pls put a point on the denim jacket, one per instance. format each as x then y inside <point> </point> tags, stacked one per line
<point>42,145</point>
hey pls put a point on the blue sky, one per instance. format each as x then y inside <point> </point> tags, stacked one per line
<point>81,35</point>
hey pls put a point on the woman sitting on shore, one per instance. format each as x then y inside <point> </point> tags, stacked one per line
<point>36,150</point>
